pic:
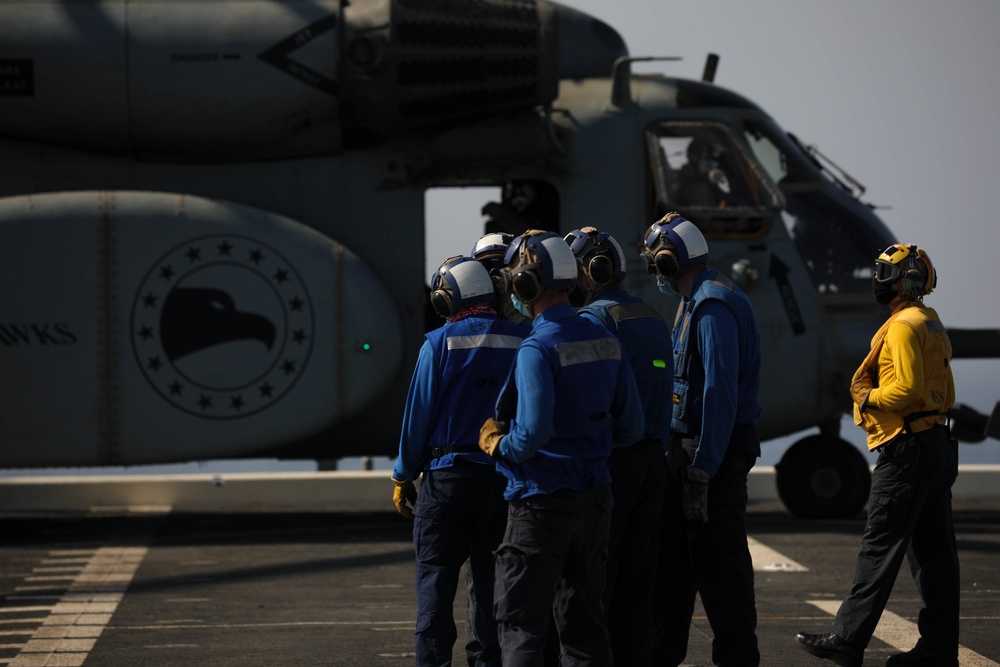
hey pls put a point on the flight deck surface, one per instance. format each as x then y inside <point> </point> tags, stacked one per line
<point>153,587</point>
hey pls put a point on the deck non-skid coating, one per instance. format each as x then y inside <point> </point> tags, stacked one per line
<point>326,588</point>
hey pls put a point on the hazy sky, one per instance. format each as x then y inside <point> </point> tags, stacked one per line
<point>903,94</point>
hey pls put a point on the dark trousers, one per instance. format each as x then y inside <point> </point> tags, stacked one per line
<point>638,475</point>
<point>551,564</point>
<point>909,513</point>
<point>711,560</point>
<point>460,514</point>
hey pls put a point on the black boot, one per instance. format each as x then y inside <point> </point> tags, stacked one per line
<point>920,658</point>
<point>831,647</point>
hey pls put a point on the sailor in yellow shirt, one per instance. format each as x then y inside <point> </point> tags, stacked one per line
<point>902,393</point>
<point>910,382</point>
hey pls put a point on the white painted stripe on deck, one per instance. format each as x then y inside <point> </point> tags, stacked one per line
<point>766,559</point>
<point>77,618</point>
<point>902,634</point>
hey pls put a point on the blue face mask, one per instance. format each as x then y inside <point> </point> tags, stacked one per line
<point>519,307</point>
<point>665,288</point>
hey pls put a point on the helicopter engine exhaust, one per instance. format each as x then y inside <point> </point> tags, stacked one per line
<point>224,80</point>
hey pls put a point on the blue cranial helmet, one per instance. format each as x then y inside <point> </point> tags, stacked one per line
<point>539,261</point>
<point>673,244</point>
<point>601,257</point>
<point>460,283</point>
<point>490,250</point>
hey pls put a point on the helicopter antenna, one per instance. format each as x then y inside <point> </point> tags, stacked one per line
<point>621,88</point>
<point>853,185</point>
<point>711,64</point>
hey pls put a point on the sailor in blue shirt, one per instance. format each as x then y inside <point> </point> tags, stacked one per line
<point>637,467</point>
<point>460,511</point>
<point>713,446</point>
<point>568,396</point>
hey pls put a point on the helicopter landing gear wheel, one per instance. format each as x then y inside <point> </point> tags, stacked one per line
<point>822,477</point>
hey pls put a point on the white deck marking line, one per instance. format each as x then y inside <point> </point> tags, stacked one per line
<point>902,634</point>
<point>201,625</point>
<point>766,559</point>
<point>77,618</point>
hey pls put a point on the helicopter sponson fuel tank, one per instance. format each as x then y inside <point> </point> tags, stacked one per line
<point>258,79</point>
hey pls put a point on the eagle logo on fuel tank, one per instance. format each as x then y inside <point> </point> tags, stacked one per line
<point>222,326</point>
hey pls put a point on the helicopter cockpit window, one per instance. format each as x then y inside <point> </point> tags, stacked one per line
<point>700,170</point>
<point>783,162</point>
<point>769,156</point>
<point>835,244</point>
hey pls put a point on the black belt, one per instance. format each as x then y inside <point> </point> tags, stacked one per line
<point>914,416</point>
<point>438,452</point>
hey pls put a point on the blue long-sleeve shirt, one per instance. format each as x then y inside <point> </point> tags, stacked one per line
<point>459,372</point>
<point>575,392</point>
<point>417,415</point>
<point>535,424</point>
<point>646,338</point>
<point>724,372</point>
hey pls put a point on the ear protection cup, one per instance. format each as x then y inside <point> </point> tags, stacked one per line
<point>525,284</point>
<point>667,264</point>
<point>523,281</point>
<point>607,261</point>
<point>442,303</point>
<point>601,270</point>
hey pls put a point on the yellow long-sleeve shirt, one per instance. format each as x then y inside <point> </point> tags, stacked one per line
<point>913,371</point>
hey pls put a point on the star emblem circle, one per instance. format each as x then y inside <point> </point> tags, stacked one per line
<point>222,326</point>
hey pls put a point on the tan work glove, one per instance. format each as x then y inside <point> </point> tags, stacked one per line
<point>489,438</point>
<point>861,386</point>
<point>405,497</point>
<point>695,494</point>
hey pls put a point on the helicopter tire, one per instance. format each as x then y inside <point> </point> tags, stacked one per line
<point>820,477</point>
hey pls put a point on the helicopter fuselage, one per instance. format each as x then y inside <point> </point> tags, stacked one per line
<point>214,218</point>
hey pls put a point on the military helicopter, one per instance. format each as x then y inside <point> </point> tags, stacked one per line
<point>211,219</point>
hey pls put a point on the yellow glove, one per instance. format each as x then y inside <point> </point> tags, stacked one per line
<point>861,386</point>
<point>405,497</point>
<point>489,438</point>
